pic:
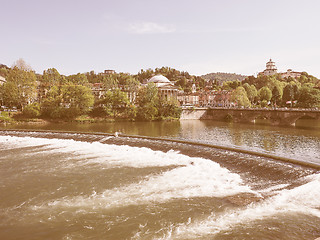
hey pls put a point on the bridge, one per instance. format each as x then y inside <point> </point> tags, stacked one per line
<point>277,116</point>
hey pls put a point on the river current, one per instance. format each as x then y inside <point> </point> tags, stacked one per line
<point>77,185</point>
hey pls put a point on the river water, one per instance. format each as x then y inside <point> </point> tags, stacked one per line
<point>92,186</point>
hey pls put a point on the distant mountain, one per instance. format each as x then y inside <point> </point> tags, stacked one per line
<point>223,77</point>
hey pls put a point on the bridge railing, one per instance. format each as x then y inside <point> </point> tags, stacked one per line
<point>284,109</point>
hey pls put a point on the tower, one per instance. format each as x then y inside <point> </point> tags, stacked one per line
<point>271,68</point>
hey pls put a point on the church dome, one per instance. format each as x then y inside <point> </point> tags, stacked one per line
<point>159,79</point>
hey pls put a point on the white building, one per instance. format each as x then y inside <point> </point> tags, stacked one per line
<point>166,88</point>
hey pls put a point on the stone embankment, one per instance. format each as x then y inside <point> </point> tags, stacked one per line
<point>277,116</point>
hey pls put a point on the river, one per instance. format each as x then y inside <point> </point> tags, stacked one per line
<point>83,185</point>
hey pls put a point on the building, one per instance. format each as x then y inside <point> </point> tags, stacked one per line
<point>222,98</point>
<point>290,73</point>
<point>109,72</point>
<point>2,80</point>
<point>271,69</point>
<point>186,99</point>
<point>98,90</point>
<point>166,88</point>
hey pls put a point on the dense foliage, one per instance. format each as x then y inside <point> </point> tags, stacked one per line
<point>289,92</point>
<point>224,77</point>
<point>56,96</point>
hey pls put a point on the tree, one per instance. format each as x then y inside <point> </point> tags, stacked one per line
<point>309,97</point>
<point>169,108</point>
<point>276,95</point>
<point>251,91</point>
<point>265,94</point>
<point>290,92</point>
<point>51,77</point>
<point>32,110</point>
<point>77,98</point>
<point>10,94</point>
<point>116,101</point>
<point>78,79</point>
<point>229,85</point>
<point>68,102</point>
<point>50,106</point>
<point>239,96</point>
<point>22,65</point>
<point>147,101</point>
<point>23,82</point>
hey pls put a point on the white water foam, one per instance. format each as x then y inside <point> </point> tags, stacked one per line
<point>304,199</point>
<point>98,153</point>
<point>192,177</point>
<point>202,178</point>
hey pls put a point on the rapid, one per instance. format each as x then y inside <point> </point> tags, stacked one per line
<point>58,185</point>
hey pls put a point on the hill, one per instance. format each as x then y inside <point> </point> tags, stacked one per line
<point>223,77</point>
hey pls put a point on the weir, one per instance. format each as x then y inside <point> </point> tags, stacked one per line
<point>278,116</point>
<point>75,135</point>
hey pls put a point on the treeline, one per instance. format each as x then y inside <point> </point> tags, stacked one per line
<point>274,91</point>
<point>55,96</point>
<point>181,79</point>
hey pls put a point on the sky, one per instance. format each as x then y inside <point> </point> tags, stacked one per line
<point>197,36</point>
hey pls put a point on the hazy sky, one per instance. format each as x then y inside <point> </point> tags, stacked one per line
<point>198,36</point>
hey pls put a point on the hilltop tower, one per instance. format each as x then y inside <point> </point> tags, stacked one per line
<point>271,69</point>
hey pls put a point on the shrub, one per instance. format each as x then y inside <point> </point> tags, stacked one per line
<point>32,110</point>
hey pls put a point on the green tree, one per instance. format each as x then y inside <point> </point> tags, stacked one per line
<point>276,95</point>
<point>229,85</point>
<point>239,96</point>
<point>265,94</point>
<point>147,101</point>
<point>169,108</point>
<point>251,91</point>
<point>32,110</point>
<point>290,92</point>
<point>23,82</point>
<point>68,102</point>
<point>51,77</point>
<point>309,97</point>
<point>10,94</point>
<point>78,79</point>
<point>116,101</point>
<point>77,98</point>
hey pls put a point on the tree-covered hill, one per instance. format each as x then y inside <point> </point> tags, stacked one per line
<point>223,77</point>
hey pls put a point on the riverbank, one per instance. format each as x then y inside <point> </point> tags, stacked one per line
<point>18,118</point>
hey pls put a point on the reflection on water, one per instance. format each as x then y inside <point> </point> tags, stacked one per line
<point>300,142</point>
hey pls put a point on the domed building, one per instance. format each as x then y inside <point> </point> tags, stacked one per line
<point>165,87</point>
